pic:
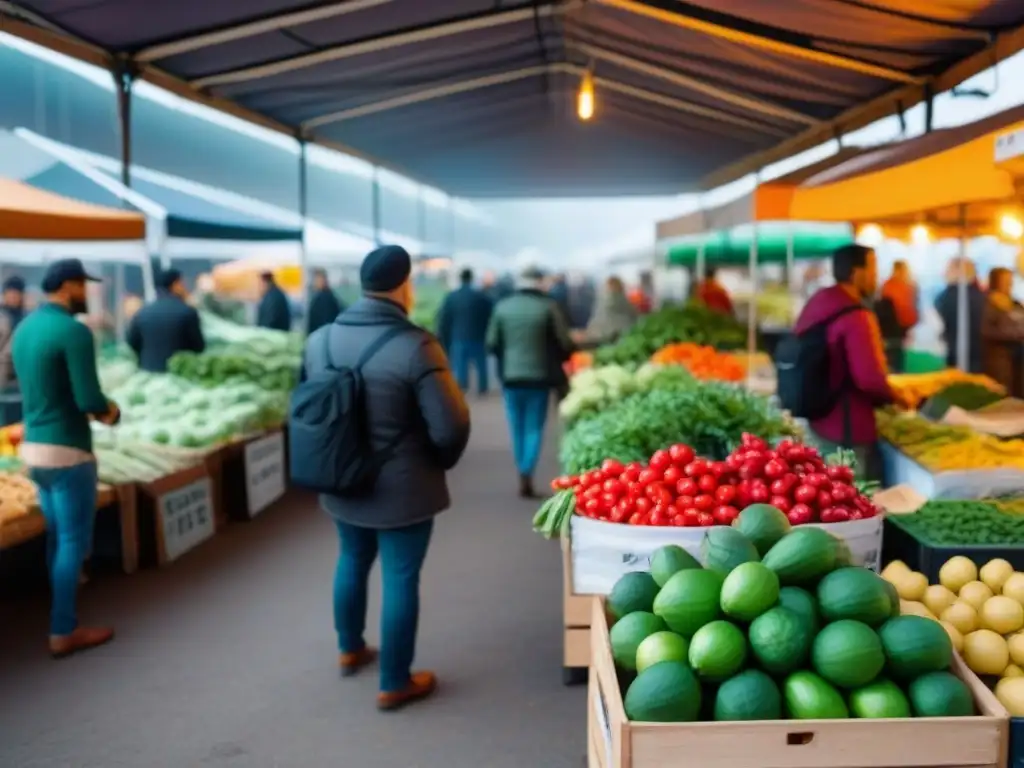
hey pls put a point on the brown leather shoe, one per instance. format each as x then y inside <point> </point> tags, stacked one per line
<point>82,639</point>
<point>421,685</point>
<point>526,487</point>
<point>350,663</point>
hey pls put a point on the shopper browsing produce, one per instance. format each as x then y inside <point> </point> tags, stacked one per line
<point>899,296</point>
<point>165,326</point>
<point>613,314</point>
<point>324,306</point>
<point>853,371</point>
<point>948,306</point>
<point>403,425</point>
<point>462,328</point>
<point>55,360</point>
<point>712,294</point>
<point>529,336</point>
<point>274,310</point>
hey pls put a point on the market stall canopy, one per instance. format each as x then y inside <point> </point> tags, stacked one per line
<point>479,98</point>
<point>948,180</point>
<point>27,213</point>
<point>61,169</point>
<point>768,201</point>
<point>732,248</point>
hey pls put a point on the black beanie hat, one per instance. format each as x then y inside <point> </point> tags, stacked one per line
<point>385,269</point>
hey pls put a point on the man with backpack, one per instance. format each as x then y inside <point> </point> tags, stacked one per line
<point>374,427</point>
<point>832,371</point>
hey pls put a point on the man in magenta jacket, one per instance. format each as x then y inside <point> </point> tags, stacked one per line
<point>857,368</point>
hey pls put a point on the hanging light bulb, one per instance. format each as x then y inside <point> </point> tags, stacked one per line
<point>870,235</point>
<point>1011,227</point>
<point>585,97</point>
<point>920,234</point>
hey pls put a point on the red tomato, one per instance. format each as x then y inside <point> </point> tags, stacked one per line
<point>784,484</point>
<point>839,515</point>
<point>841,493</point>
<point>724,515</point>
<point>614,486</point>
<point>824,500</point>
<point>681,454</point>
<point>705,520</point>
<point>636,518</point>
<point>805,494</point>
<point>620,513</point>
<point>630,475</point>
<point>781,503</point>
<point>817,479</point>
<point>592,507</point>
<point>734,461</point>
<point>691,518</point>
<point>800,514</point>
<point>593,492</point>
<point>678,520</point>
<point>708,483</point>
<point>718,468</point>
<point>696,468</point>
<point>725,494</point>
<point>687,487</point>
<point>683,502</point>
<point>644,505</point>
<point>612,467</point>
<point>672,475</point>
<point>660,461</point>
<point>753,441</point>
<point>775,469</point>
<point>661,515</point>
<point>649,476</point>
<point>659,493</point>
<point>704,502</point>
<point>752,468</point>
<point>840,474</point>
<point>759,494</point>
<point>608,501</point>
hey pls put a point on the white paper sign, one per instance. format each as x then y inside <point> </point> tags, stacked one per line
<point>186,516</point>
<point>264,472</point>
<point>601,712</point>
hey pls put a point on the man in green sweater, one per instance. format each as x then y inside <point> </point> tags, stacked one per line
<point>54,358</point>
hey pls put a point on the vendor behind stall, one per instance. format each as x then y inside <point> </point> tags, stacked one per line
<point>274,311</point>
<point>712,294</point>
<point>165,326</point>
<point>1002,333</point>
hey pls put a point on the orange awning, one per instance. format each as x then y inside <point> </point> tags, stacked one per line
<point>944,175</point>
<point>27,213</point>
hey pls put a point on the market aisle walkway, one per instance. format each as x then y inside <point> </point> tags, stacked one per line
<point>227,657</point>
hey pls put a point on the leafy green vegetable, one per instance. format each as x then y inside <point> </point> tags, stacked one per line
<point>692,322</point>
<point>709,416</point>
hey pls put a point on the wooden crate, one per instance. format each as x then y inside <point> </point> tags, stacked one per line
<point>576,612</point>
<point>938,742</point>
<point>162,503</point>
<point>116,535</point>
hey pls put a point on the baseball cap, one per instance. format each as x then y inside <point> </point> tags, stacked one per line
<point>65,271</point>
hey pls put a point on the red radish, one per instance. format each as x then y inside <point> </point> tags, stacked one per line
<point>660,461</point>
<point>805,494</point>
<point>672,475</point>
<point>781,503</point>
<point>705,520</point>
<point>725,494</point>
<point>704,502</point>
<point>707,483</point>
<point>681,454</point>
<point>687,487</point>
<point>800,514</point>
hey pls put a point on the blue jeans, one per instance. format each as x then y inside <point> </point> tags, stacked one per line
<point>67,497</point>
<point>527,412</point>
<point>466,354</point>
<point>402,551</point>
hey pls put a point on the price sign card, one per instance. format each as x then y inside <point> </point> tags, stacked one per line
<point>186,517</point>
<point>264,472</point>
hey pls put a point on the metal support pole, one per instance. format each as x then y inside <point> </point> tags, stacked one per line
<point>376,207</point>
<point>929,108</point>
<point>963,315</point>
<point>752,312</point>
<point>303,208</point>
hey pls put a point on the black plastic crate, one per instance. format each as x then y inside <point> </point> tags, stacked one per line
<point>1016,752</point>
<point>898,543</point>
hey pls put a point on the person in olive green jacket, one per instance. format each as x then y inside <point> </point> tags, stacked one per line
<point>54,358</point>
<point>530,338</point>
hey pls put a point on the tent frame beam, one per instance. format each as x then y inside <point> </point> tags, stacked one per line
<point>692,83</point>
<point>752,35</point>
<point>253,28</point>
<point>409,36</point>
<point>501,78</point>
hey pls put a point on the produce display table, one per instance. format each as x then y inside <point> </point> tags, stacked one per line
<point>900,469</point>
<point>598,554</point>
<point>615,742</point>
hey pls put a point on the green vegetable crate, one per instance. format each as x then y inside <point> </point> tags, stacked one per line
<point>615,742</point>
<point>926,556</point>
